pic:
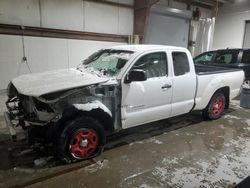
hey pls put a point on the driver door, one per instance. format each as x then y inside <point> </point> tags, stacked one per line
<point>150,100</point>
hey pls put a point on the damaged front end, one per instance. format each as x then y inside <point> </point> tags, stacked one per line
<point>24,111</point>
<point>37,117</point>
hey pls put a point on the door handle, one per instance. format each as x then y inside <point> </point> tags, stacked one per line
<point>166,86</point>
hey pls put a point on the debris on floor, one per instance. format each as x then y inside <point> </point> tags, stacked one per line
<point>42,161</point>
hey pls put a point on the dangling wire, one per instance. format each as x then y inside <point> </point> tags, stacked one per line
<point>24,58</point>
<point>216,9</point>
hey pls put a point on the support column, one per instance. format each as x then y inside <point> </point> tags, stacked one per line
<point>141,14</point>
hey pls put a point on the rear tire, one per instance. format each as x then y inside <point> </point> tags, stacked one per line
<point>80,139</point>
<point>215,107</point>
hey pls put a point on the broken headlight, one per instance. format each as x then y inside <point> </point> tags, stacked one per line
<point>11,90</point>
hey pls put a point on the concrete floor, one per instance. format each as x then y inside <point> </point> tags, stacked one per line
<point>180,152</point>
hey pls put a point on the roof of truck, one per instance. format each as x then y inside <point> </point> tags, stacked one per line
<point>144,47</point>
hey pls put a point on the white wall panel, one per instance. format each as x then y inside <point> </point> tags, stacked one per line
<point>24,12</point>
<point>126,21</point>
<point>62,14</point>
<point>101,18</point>
<point>230,25</point>
<point>46,53</point>
<point>237,6</point>
<point>108,19</point>
<point>42,54</point>
<point>229,31</point>
<point>10,58</point>
<point>69,14</point>
<point>50,53</point>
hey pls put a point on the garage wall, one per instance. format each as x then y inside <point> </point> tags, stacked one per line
<point>42,54</point>
<point>68,14</point>
<point>230,25</point>
<point>54,53</point>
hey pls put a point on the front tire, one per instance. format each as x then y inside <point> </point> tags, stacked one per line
<point>215,107</point>
<point>80,139</point>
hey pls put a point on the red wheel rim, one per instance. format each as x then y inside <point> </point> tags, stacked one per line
<point>83,143</point>
<point>217,106</point>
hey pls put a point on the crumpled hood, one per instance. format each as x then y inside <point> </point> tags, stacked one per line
<point>52,81</point>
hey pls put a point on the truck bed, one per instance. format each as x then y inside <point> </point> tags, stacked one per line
<point>206,69</point>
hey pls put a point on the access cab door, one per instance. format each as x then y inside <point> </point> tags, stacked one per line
<point>184,82</point>
<point>149,100</point>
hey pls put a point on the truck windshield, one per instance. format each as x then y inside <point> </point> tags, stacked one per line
<point>108,61</point>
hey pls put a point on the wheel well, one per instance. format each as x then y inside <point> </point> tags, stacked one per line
<point>98,114</point>
<point>226,92</point>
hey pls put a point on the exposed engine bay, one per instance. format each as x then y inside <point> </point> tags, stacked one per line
<point>31,112</point>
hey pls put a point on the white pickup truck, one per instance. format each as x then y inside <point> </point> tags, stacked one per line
<point>114,89</point>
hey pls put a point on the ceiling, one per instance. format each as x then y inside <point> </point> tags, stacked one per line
<point>206,3</point>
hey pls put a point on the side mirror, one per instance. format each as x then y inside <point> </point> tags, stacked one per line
<point>136,75</point>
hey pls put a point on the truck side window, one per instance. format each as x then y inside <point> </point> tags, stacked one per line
<point>181,63</point>
<point>226,57</point>
<point>154,64</point>
<point>205,58</point>
<point>246,57</point>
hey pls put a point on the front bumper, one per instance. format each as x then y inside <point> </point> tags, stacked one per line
<point>16,133</point>
<point>10,126</point>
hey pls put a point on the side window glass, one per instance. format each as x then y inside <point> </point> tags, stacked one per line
<point>206,58</point>
<point>181,63</point>
<point>154,64</point>
<point>226,57</point>
<point>246,57</point>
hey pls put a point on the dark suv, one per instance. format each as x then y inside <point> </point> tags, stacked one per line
<point>232,58</point>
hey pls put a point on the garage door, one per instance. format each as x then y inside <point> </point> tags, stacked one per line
<point>167,30</point>
<point>246,43</point>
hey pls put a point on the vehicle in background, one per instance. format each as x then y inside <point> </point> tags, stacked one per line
<point>114,89</point>
<point>232,58</point>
